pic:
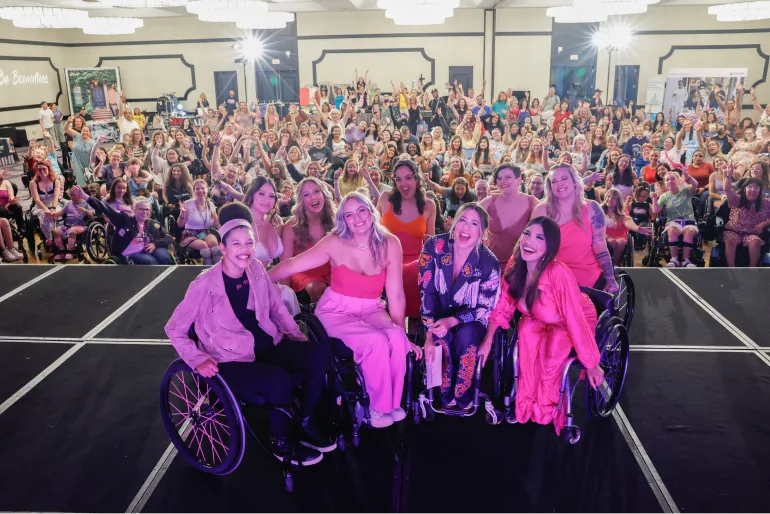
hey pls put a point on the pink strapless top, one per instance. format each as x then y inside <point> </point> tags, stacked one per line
<point>349,283</point>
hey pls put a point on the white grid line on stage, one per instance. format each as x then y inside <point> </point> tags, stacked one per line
<point>69,353</point>
<point>31,282</point>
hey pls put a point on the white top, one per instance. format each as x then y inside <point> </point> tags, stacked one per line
<point>671,157</point>
<point>260,251</point>
<point>46,116</point>
<point>196,219</point>
<point>126,126</point>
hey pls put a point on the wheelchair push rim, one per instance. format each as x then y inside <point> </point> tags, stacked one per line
<point>202,419</point>
<point>96,243</point>
<point>625,300</point>
<point>614,348</point>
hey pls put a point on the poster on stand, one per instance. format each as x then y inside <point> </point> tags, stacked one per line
<point>97,90</point>
<point>692,89</point>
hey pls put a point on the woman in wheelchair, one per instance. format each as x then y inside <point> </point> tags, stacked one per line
<point>680,217</point>
<point>242,326</point>
<point>196,216</point>
<point>10,206</point>
<point>364,258</point>
<point>619,224</point>
<point>313,219</point>
<point>137,238</point>
<point>46,194</point>
<point>581,223</point>
<point>749,217</point>
<point>459,280</point>
<point>556,318</point>
<point>77,214</point>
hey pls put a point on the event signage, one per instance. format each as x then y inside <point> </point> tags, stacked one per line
<point>17,78</point>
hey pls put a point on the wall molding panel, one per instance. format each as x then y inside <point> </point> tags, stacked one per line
<point>33,59</point>
<point>154,57</point>
<point>421,51</point>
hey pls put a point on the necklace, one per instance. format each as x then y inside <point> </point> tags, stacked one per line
<point>359,246</point>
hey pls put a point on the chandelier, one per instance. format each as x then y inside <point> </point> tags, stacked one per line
<point>418,12</point>
<point>270,20</point>
<point>593,11</point>
<point>226,11</point>
<point>742,11</point>
<point>112,26</point>
<point>44,17</point>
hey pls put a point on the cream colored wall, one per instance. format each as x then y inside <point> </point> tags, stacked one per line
<point>391,66</point>
<point>646,49</point>
<point>523,61</point>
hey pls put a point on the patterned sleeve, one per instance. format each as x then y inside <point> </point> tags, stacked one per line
<point>429,296</point>
<point>480,297</point>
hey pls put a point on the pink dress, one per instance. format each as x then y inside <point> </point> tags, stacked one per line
<point>577,251</point>
<point>351,310</point>
<point>561,320</point>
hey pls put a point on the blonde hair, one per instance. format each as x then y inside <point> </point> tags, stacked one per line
<point>379,237</point>
<point>578,202</point>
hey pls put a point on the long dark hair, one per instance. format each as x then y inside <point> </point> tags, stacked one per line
<point>744,203</point>
<point>255,186</point>
<point>481,154</point>
<point>516,275</point>
<point>395,196</point>
<point>625,177</point>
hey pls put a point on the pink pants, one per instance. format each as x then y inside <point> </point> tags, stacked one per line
<point>379,346</point>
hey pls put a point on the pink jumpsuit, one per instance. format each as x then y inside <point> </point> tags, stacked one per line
<point>351,310</point>
<point>561,320</point>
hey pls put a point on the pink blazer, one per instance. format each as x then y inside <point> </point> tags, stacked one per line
<point>221,335</point>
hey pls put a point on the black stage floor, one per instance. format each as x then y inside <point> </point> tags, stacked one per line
<point>82,353</point>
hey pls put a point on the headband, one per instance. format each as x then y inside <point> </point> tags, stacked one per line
<point>232,224</point>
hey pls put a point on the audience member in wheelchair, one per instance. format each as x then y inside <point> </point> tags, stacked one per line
<point>581,223</point>
<point>660,186</point>
<point>77,214</point>
<point>178,188</point>
<point>364,258</point>
<point>749,217</point>
<point>619,224</point>
<point>717,182</point>
<point>10,207</point>
<point>313,219</point>
<point>8,252</point>
<point>640,210</point>
<point>46,194</point>
<point>680,217</point>
<point>138,238</point>
<point>119,197</point>
<point>459,281</point>
<point>759,170</point>
<point>197,216</point>
<point>701,171</point>
<point>247,336</point>
<point>556,318</point>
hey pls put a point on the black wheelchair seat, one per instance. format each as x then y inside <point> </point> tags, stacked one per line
<point>602,300</point>
<point>340,350</point>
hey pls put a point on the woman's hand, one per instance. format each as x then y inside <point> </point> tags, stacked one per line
<point>418,351</point>
<point>149,248</point>
<point>761,227</point>
<point>611,286</point>
<point>296,335</point>
<point>645,231</point>
<point>442,326</point>
<point>208,368</point>
<point>595,376</point>
<point>77,192</point>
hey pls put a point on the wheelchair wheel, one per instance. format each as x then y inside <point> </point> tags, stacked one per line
<point>625,300</point>
<point>96,242</point>
<point>202,419</point>
<point>614,348</point>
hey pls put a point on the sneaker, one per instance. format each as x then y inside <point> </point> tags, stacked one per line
<point>69,257</point>
<point>19,256</point>
<point>687,264</point>
<point>298,456</point>
<point>398,414</point>
<point>314,438</point>
<point>673,263</point>
<point>380,419</point>
<point>58,258</point>
<point>7,255</point>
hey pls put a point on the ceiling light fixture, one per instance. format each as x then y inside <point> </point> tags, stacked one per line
<point>44,17</point>
<point>271,20</point>
<point>226,11</point>
<point>112,26</point>
<point>144,4</point>
<point>569,14</point>
<point>418,12</point>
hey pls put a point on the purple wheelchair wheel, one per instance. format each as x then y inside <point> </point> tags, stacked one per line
<point>203,419</point>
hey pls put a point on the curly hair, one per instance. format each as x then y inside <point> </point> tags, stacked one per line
<point>302,226</point>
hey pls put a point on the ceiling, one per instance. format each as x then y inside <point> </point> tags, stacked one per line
<point>304,6</point>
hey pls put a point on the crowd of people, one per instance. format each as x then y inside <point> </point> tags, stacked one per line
<point>456,208</point>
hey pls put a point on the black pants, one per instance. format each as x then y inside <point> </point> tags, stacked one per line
<point>13,212</point>
<point>273,376</point>
<point>460,347</point>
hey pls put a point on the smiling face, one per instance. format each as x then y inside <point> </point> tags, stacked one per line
<point>563,184</point>
<point>120,189</point>
<point>357,217</point>
<point>405,182</point>
<point>752,192</point>
<point>532,243</point>
<point>672,182</point>
<point>264,200</point>
<point>312,198</point>
<point>507,180</point>
<point>238,248</point>
<point>467,229</point>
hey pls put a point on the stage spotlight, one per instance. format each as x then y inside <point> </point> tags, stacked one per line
<point>249,48</point>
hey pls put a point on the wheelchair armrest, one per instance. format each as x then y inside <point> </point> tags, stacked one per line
<point>600,298</point>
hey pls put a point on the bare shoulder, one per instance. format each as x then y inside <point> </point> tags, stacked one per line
<point>486,202</point>
<point>539,210</point>
<point>430,206</point>
<point>290,223</point>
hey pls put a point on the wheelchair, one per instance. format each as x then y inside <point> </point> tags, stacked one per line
<point>612,339</point>
<point>658,247</point>
<point>717,255</point>
<point>205,421</point>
